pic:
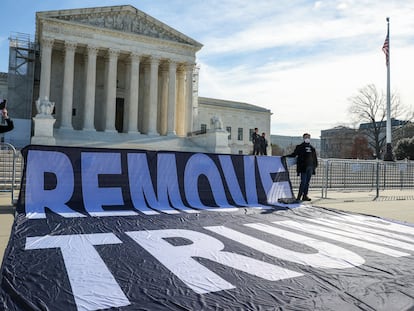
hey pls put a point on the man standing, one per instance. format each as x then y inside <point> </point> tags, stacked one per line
<point>256,141</point>
<point>263,144</point>
<point>307,162</point>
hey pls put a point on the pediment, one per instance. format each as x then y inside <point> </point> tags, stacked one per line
<point>121,18</point>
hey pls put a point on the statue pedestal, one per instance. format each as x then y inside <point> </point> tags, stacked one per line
<point>43,130</point>
<point>217,141</point>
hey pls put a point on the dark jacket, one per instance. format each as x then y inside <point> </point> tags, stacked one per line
<point>8,127</point>
<point>256,139</point>
<point>263,145</point>
<point>306,156</point>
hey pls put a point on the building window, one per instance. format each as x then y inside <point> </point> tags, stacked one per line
<point>250,134</point>
<point>228,129</point>
<point>203,128</point>
<point>240,133</point>
<point>240,151</point>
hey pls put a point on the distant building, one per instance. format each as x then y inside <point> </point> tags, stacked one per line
<point>239,120</point>
<point>344,142</point>
<point>337,142</point>
<point>288,143</point>
<point>382,124</point>
<point>368,129</point>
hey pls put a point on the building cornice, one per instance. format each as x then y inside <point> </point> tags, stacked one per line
<point>230,104</point>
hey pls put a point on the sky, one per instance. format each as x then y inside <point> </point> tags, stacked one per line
<point>303,60</point>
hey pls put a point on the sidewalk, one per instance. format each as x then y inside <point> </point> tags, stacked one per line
<point>391,204</point>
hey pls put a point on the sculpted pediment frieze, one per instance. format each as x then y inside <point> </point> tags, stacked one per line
<point>128,22</point>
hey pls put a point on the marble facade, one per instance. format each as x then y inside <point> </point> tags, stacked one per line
<point>116,69</point>
<point>120,78</point>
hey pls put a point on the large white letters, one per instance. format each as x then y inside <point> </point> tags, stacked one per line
<point>93,285</point>
<point>94,197</point>
<point>179,259</point>
<point>327,256</point>
<point>51,181</point>
<point>342,236</point>
<point>378,223</point>
<point>370,235</point>
<point>201,164</point>
<point>274,190</point>
<point>142,188</point>
<point>36,196</point>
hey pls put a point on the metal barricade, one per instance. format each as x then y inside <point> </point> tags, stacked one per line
<point>360,175</point>
<point>8,164</point>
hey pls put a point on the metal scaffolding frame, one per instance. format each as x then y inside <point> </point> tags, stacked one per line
<point>22,55</point>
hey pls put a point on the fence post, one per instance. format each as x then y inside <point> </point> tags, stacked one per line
<point>326,180</point>
<point>322,184</point>
<point>377,181</point>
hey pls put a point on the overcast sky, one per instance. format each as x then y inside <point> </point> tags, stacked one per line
<point>300,59</point>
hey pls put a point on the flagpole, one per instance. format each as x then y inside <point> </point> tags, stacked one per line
<point>388,153</point>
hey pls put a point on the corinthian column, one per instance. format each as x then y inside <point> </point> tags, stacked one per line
<point>46,63</point>
<point>180,112</point>
<point>110,104</point>
<point>172,70</point>
<point>153,97</point>
<point>89,114</point>
<point>67,96</point>
<point>133,94</point>
<point>163,101</point>
<point>189,99</point>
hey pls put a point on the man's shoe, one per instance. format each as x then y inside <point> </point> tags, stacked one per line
<point>306,198</point>
<point>299,198</point>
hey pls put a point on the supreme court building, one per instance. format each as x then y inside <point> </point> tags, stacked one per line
<point>118,77</point>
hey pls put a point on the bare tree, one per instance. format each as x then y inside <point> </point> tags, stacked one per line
<point>369,108</point>
<point>360,148</point>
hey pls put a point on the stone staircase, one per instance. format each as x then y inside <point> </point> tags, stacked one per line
<point>124,141</point>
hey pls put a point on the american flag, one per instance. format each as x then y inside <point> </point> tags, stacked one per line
<point>385,49</point>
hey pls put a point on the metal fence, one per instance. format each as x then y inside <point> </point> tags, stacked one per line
<point>10,169</point>
<point>338,174</point>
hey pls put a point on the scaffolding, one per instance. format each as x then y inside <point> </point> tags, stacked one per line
<point>20,80</point>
